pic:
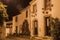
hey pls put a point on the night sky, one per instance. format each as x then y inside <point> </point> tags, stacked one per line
<point>14,6</point>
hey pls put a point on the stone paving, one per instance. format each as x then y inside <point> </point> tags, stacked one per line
<point>18,38</point>
<point>24,38</point>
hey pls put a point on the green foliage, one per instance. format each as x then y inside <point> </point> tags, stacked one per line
<point>3,13</point>
<point>56,28</point>
<point>1,18</point>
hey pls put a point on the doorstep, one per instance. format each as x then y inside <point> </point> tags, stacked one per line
<point>44,38</point>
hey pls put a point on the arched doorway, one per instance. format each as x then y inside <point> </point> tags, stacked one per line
<point>25,28</point>
<point>35,24</point>
<point>47,26</point>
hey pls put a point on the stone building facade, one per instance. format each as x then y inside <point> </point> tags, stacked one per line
<point>39,17</point>
<point>22,21</point>
<point>42,11</point>
<point>9,26</point>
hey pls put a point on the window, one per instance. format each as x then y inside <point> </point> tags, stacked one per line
<point>9,25</point>
<point>16,19</point>
<point>34,8</point>
<point>26,14</point>
<point>47,3</point>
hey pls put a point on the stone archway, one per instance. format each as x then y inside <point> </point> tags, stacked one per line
<point>25,28</point>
